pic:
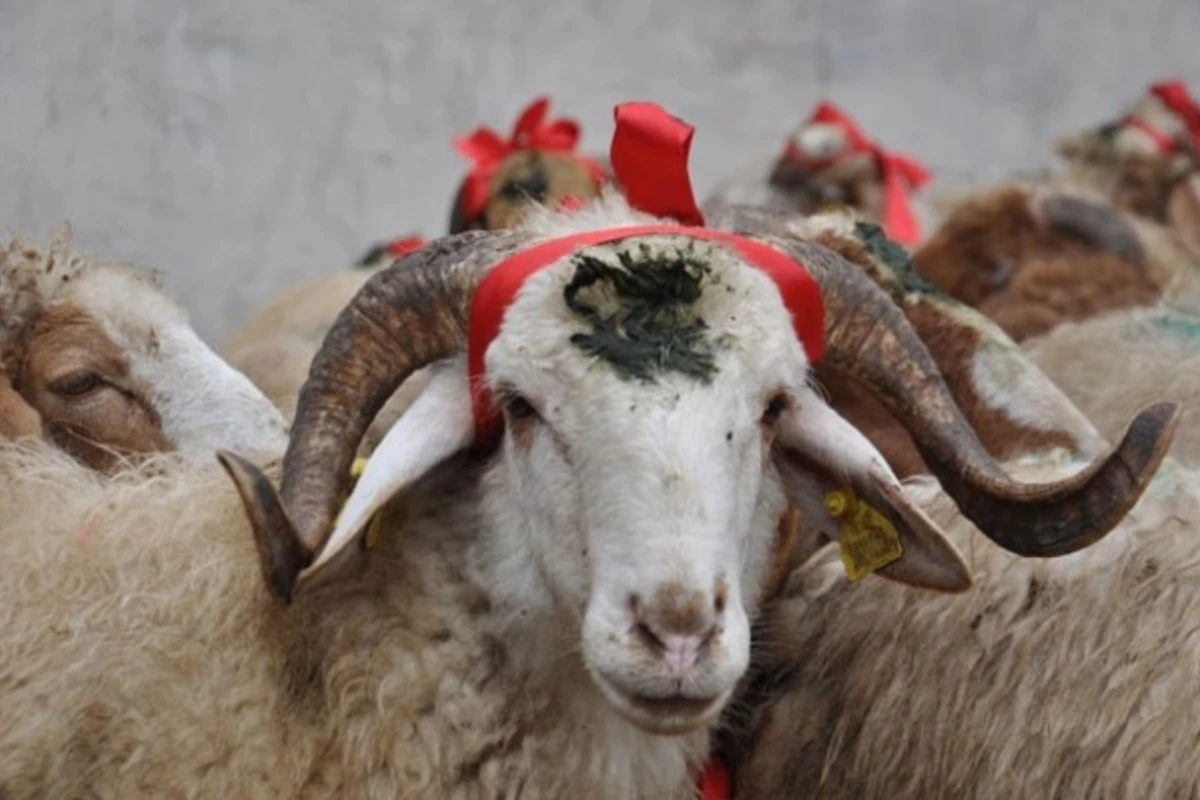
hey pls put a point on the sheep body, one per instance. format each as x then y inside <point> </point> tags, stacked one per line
<point>1068,677</point>
<point>1111,364</point>
<point>157,665</point>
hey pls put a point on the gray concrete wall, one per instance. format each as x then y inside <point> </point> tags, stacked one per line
<point>241,145</point>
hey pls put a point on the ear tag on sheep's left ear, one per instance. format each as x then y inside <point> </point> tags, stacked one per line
<point>375,526</point>
<point>868,540</point>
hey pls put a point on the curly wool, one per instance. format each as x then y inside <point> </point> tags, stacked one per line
<point>144,657</point>
<point>1067,677</point>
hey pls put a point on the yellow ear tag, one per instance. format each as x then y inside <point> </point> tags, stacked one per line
<point>868,540</point>
<point>375,526</point>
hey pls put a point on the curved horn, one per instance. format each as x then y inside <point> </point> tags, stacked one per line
<point>1091,222</point>
<point>869,338</point>
<point>402,319</point>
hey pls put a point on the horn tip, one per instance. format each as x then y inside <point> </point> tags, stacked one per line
<point>281,553</point>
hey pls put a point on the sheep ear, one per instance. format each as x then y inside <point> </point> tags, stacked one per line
<point>18,419</point>
<point>847,493</point>
<point>1183,211</point>
<point>436,426</point>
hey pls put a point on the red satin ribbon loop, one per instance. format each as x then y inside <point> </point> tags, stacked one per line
<point>649,155</point>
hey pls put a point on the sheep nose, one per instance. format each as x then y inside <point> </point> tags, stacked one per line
<point>677,626</point>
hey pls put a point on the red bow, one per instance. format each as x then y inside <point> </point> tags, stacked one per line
<point>487,149</point>
<point>900,174</point>
<point>1175,96</point>
<point>402,247</point>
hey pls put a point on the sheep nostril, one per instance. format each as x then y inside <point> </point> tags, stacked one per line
<point>648,637</point>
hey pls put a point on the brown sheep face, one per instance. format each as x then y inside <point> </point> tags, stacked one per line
<point>522,180</point>
<point>101,364</point>
<point>532,177</point>
<point>82,386</point>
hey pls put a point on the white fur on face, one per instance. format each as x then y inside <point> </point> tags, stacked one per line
<point>627,489</point>
<point>203,403</point>
<point>820,141</point>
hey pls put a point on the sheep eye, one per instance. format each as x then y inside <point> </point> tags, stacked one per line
<point>76,384</point>
<point>775,408</point>
<point>517,407</point>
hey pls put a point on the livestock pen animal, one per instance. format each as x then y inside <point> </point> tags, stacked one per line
<point>1115,363</point>
<point>96,358</point>
<point>568,598</point>
<point>844,700</point>
<point>1062,678</point>
<point>535,164</point>
<point>1139,159</point>
<point>830,161</point>
<point>1033,256</point>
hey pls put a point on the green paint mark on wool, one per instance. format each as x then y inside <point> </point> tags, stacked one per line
<point>643,313</point>
<point>894,256</point>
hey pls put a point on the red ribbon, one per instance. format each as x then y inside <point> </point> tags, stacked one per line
<point>1175,96</point>
<point>900,174</point>
<point>402,247</point>
<point>498,288</point>
<point>715,782</point>
<point>649,155</point>
<point>488,149</point>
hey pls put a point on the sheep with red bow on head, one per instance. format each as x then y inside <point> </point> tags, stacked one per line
<point>1119,229</point>
<point>590,486</point>
<point>830,161</point>
<point>536,164</point>
<point>1139,159</point>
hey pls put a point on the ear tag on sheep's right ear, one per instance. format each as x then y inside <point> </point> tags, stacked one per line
<point>868,540</point>
<point>375,527</point>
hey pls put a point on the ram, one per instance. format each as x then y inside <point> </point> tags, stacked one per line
<point>1141,159</point>
<point>535,167</point>
<point>830,161</point>
<point>564,597</point>
<point>99,361</point>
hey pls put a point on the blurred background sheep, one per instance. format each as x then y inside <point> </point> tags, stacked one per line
<point>245,148</point>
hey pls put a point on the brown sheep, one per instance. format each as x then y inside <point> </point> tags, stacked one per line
<point>535,164</point>
<point>1031,258</point>
<point>98,361</point>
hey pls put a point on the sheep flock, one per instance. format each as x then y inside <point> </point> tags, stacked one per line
<point>819,485</point>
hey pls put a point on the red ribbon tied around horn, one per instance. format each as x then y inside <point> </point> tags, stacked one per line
<point>900,174</point>
<point>1175,96</point>
<point>487,149</point>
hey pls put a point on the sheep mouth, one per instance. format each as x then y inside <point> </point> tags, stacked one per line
<point>665,715</point>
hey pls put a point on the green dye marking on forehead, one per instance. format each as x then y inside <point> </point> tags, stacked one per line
<point>643,312</point>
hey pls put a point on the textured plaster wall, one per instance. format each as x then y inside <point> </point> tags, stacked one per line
<point>240,146</point>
